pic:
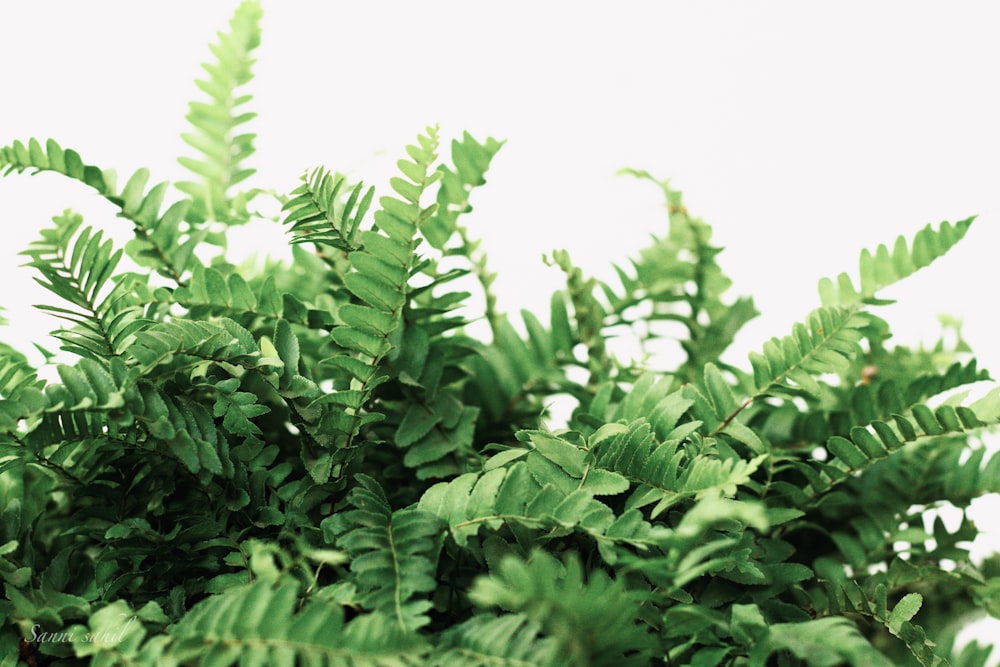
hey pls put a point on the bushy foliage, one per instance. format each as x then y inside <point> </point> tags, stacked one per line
<point>319,464</point>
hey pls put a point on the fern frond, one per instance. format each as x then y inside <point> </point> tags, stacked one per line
<point>595,620</point>
<point>183,343</point>
<point>879,400</point>
<point>65,429</point>
<point>76,408</point>
<point>823,344</point>
<point>160,242</point>
<point>432,432</point>
<point>76,265</point>
<point>264,624</point>
<point>69,427</point>
<point>17,375</point>
<point>677,279</point>
<point>884,267</point>
<point>508,640</point>
<point>216,124</point>
<point>231,295</point>
<point>650,397</point>
<point>223,292</point>
<point>393,554</point>
<point>113,642</point>
<point>552,489</point>
<point>183,429</point>
<point>881,439</point>
<point>667,472</point>
<point>379,279</point>
<point>712,537</point>
<point>817,643</point>
<point>20,391</point>
<point>589,314</point>
<point>510,373</point>
<point>471,161</point>
<point>844,594</point>
<point>318,215</point>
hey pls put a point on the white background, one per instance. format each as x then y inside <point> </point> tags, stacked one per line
<point>802,132</point>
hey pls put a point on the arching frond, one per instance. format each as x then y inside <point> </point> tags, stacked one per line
<point>77,265</point>
<point>881,439</point>
<point>816,642</point>
<point>323,462</point>
<point>844,594</point>
<point>161,243</point>
<point>884,267</point>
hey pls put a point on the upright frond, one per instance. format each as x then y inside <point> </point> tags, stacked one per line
<point>471,160</point>
<point>378,283</point>
<point>216,126</point>
<point>677,279</point>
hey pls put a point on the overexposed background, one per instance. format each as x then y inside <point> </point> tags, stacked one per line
<point>802,132</point>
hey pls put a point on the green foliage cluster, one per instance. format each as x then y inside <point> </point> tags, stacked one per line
<point>318,464</point>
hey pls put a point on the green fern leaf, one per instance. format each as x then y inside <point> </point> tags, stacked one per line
<point>823,344</point>
<point>509,640</point>
<point>667,472</point>
<point>677,279</point>
<point>650,397</point>
<point>844,594</point>
<point>216,131</point>
<point>548,490</point>
<point>593,620</point>
<point>263,624</point>
<point>821,643</point>
<point>380,269</point>
<point>864,447</point>
<point>77,265</point>
<point>160,242</point>
<point>884,267</point>
<point>318,215</point>
<point>394,554</point>
<point>186,343</point>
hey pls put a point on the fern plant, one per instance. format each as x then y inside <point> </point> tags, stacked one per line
<point>318,463</point>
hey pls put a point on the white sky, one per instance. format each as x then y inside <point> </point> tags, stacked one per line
<point>802,132</point>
